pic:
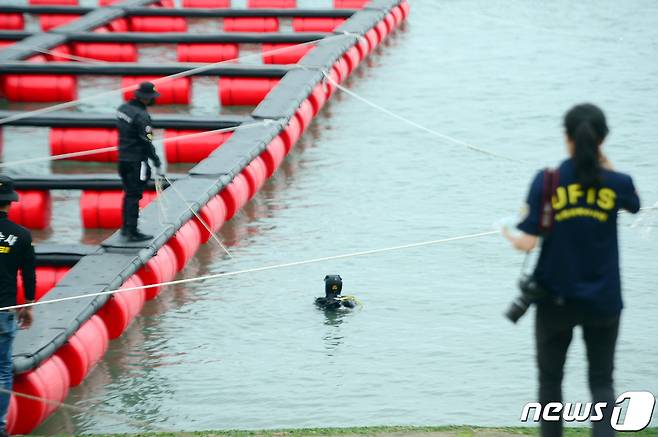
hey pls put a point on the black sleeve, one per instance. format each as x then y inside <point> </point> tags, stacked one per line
<point>27,264</point>
<point>145,133</point>
<point>629,200</point>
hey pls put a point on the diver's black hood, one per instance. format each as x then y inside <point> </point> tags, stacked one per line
<point>333,285</point>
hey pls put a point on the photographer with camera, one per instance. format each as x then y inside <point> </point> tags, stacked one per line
<point>576,281</point>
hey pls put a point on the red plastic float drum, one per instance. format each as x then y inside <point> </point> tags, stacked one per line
<point>185,243</point>
<point>75,358</point>
<point>12,21</point>
<point>207,52</point>
<point>316,24</point>
<point>172,91</point>
<point>157,24</point>
<point>206,3</point>
<point>363,46</point>
<point>291,133</point>
<point>213,215</point>
<point>318,97</point>
<point>389,21</point>
<point>373,39</point>
<point>382,30</point>
<point>305,114</point>
<point>33,209</point>
<point>102,209</point>
<point>53,2</point>
<point>47,278</point>
<point>353,58</point>
<point>39,88</point>
<point>343,69</point>
<point>235,195</point>
<point>251,24</point>
<point>50,381</point>
<point>120,310</point>
<point>335,79</point>
<point>84,349</point>
<point>406,8</point>
<point>350,4</point>
<point>272,4</point>
<point>4,44</point>
<point>59,54</point>
<point>50,21</point>
<point>161,268</point>
<point>255,173</point>
<point>281,54</point>
<point>110,52</point>
<point>194,149</point>
<point>164,4</point>
<point>273,155</point>
<point>244,91</point>
<point>72,140</point>
<point>398,15</point>
<point>107,2</point>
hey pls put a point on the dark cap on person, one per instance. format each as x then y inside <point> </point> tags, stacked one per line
<point>7,192</point>
<point>146,90</point>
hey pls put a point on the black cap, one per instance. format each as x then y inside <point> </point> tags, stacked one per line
<point>146,90</point>
<point>7,193</point>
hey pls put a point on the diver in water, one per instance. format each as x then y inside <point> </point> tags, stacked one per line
<point>332,300</point>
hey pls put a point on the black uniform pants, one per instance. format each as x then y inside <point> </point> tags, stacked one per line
<point>133,188</point>
<point>553,331</point>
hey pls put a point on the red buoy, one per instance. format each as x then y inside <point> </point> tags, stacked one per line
<point>102,209</point>
<point>353,58</point>
<point>194,149</point>
<point>11,415</point>
<point>185,243</point>
<point>213,215</point>
<point>318,97</point>
<point>363,46</point>
<point>207,52</point>
<point>273,155</point>
<point>290,135</point>
<point>33,209</point>
<point>373,39</point>
<point>251,24</point>
<point>47,278</point>
<point>343,69</point>
<point>160,268</point>
<point>120,310</point>
<point>50,382</point>
<point>172,91</point>
<point>256,174</point>
<point>75,358</point>
<point>398,15</point>
<point>305,114</point>
<point>12,21</point>
<point>157,24</point>
<point>272,4</point>
<point>284,53</point>
<point>84,349</point>
<point>206,3</point>
<point>350,4</point>
<point>382,30</point>
<point>235,195</point>
<point>406,8</point>
<point>244,91</point>
<point>51,21</point>
<point>316,24</point>
<point>66,140</point>
<point>110,52</point>
<point>39,88</point>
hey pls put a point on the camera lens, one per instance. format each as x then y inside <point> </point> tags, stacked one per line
<point>517,309</point>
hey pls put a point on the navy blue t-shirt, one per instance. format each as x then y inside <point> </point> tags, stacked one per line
<point>579,258</point>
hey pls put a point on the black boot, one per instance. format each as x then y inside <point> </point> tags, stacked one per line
<point>133,235</point>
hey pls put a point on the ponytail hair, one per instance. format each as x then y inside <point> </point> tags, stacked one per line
<point>586,127</point>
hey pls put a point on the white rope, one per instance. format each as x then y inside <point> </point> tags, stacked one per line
<point>114,148</point>
<point>185,73</point>
<point>260,269</point>
<point>420,126</point>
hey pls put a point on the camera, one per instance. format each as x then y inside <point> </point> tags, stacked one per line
<point>531,292</point>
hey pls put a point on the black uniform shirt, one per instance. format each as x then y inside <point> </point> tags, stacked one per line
<point>135,133</point>
<point>16,252</point>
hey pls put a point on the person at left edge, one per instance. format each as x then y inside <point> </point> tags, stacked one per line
<point>16,252</point>
<point>135,150</point>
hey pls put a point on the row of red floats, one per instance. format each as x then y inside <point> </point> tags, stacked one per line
<point>274,4</point>
<point>233,91</point>
<point>72,362</point>
<point>47,22</point>
<point>279,53</point>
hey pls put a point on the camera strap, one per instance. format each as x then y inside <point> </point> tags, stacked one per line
<point>551,183</point>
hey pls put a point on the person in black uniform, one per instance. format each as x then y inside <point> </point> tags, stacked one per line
<point>332,300</point>
<point>16,252</point>
<point>578,266</point>
<point>135,149</point>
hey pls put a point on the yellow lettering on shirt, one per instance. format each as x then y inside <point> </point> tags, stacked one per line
<point>575,193</point>
<point>606,198</point>
<point>560,198</point>
<point>5,249</point>
<point>591,196</point>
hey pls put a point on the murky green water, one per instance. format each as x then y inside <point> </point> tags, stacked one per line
<point>429,345</point>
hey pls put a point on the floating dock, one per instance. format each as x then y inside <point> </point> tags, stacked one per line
<point>298,75</point>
